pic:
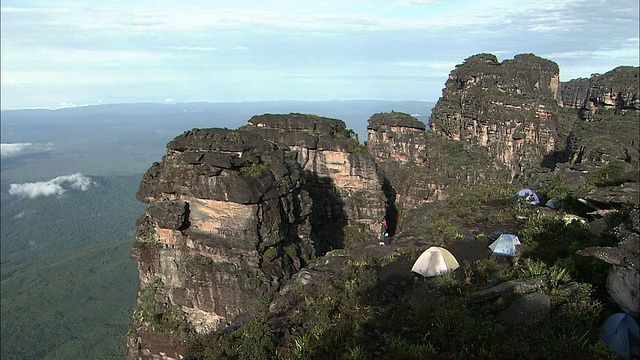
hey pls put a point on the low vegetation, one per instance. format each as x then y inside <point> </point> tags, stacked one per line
<point>376,308</point>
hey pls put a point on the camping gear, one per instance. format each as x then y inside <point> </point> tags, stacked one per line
<point>505,245</point>
<point>435,261</point>
<point>528,196</point>
<point>621,334</point>
<point>553,203</point>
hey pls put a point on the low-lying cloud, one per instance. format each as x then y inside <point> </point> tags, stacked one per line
<point>9,150</point>
<point>56,186</point>
<point>14,149</point>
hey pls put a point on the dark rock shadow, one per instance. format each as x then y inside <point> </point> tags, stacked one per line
<point>554,158</point>
<point>328,217</point>
<point>391,212</point>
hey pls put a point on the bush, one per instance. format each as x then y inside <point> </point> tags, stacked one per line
<point>256,171</point>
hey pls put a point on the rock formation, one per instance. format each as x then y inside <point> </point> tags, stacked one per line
<point>606,104</point>
<point>508,107</point>
<point>340,175</point>
<point>237,214</point>
<point>421,167</point>
<point>227,220</point>
<point>233,214</point>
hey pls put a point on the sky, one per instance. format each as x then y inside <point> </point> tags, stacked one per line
<point>69,53</point>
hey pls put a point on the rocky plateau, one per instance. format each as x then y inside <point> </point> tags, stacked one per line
<point>282,204</point>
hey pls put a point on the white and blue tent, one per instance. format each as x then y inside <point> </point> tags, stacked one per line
<point>528,196</point>
<point>622,335</point>
<point>505,245</point>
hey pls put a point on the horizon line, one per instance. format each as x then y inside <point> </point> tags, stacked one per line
<point>172,103</point>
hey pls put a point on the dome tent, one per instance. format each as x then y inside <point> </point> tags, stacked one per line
<point>528,196</point>
<point>621,333</point>
<point>435,261</point>
<point>505,245</point>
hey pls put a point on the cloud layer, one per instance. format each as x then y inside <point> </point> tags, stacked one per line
<point>56,186</point>
<point>138,51</point>
<point>9,150</point>
<point>14,149</point>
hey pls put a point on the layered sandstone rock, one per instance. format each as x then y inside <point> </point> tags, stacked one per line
<point>227,221</point>
<point>340,175</point>
<point>608,109</point>
<point>510,108</point>
<point>233,214</point>
<point>422,167</point>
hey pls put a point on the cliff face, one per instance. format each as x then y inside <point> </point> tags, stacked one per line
<point>237,214</point>
<point>421,167</point>
<point>233,214</point>
<point>607,104</point>
<point>615,89</point>
<point>508,107</point>
<point>340,175</point>
<point>227,220</point>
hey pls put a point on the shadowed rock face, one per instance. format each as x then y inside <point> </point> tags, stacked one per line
<point>421,167</point>
<point>608,109</point>
<point>340,175</point>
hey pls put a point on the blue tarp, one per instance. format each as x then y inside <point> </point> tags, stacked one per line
<point>505,245</point>
<point>621,333</point>
<point>528,196</point>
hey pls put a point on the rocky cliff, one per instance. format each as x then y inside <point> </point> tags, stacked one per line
<point>288,207</point>
<point>421,166</point>
<point>233,214</point>
<point>340,175</point>
<point>607,104</point>
<point>227,220</point>
<point>507,107</point>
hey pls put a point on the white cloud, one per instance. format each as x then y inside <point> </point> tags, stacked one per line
<point>9,150</point>
<point>56,186</point>
<point>139,51</point>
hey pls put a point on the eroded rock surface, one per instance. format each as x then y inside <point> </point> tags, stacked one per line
<point>227,221</point>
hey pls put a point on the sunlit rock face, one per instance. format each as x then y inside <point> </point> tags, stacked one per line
<point>420,167</point>
<point>508,107</point>
<point>233,214</point>
<point>227,222</point>
<point>340,175</point>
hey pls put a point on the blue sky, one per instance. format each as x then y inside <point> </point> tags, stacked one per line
<point>65,53</point>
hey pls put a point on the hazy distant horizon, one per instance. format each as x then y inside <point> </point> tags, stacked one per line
<point>65,53</point>
<point>65,106</point>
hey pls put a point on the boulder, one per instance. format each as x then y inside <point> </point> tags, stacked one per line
<point>529,309</point>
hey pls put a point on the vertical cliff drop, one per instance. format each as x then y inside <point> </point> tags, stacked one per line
<point>233,214</point>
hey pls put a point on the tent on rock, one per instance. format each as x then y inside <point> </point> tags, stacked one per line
<point>528,196</point>
<point>435,261</point>
<point>505,245</point>
<point>622,335</point>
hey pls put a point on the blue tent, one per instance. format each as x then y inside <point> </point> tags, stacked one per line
<point>528,196</point>
<point>505,245</point>
<point>621,333</point>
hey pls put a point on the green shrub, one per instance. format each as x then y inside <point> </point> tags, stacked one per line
<point>603,176</point>
<point>256,171</point>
